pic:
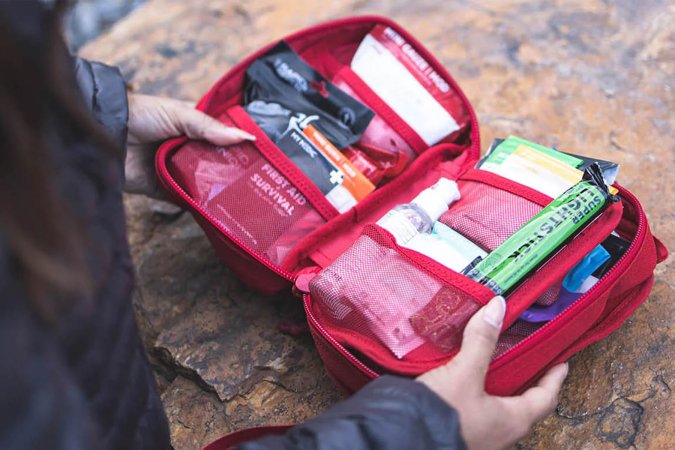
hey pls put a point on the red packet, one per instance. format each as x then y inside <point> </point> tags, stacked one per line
<point>443,319</point>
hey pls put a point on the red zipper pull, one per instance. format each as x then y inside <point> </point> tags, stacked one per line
<point>306,275</point>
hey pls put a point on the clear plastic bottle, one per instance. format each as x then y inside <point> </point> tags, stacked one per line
<point>405,221</point>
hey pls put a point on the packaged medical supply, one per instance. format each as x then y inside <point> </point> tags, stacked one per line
<point>405,80</point>
<point>446,246</point>
<point>529,247</point>
<point>290,88</point>
<point>405,221</point>
<point>541,168</point>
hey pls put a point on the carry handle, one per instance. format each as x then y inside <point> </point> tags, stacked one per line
<point>661,251</point>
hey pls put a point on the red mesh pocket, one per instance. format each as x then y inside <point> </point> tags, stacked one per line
<point>248,197</point>
<point>513,335</point>
<point>204,170</point>
<point>550,296</point>
<point>373,290</point>
<point>487,215</point>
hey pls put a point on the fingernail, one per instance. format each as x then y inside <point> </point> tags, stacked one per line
<point>226,134</point>
<point>494,312</point>
<point>244,135</point>
<point>567,368</point>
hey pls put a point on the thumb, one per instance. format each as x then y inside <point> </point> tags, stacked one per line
<point>197,125</point>
<point>479,340</point>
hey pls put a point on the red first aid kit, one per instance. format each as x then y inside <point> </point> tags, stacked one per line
<point>275,230</point>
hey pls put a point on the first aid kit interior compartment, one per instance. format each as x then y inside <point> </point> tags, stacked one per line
<point>263,202</point>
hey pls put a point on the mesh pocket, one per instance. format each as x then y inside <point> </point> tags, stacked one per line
<point>487,215</point>
<point>373,290</point>
<point>551,295</point>
<point>248,197</point>
<point>513,335</point>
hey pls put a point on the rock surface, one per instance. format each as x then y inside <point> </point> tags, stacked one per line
<point>591,76</point>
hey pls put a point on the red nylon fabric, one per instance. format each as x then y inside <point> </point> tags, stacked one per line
<point>488,215</point>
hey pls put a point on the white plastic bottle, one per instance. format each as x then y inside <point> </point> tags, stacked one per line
<point>405,221</point>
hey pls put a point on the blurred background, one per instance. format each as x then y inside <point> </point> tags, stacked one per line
<point>89,18</point>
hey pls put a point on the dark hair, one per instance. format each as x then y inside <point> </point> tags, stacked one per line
<point>38,98</point>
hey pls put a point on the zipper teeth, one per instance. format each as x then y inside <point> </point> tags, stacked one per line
<point>326,335</point>
<point>639,236</point>
<point>278,270</point>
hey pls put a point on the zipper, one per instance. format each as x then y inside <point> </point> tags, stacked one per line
<point>609,277</point>
<point>324,333</point>
<point>264,261</point>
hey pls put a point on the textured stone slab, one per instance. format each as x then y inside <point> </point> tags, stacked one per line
<point>588,76</point>
<point>196,417</point>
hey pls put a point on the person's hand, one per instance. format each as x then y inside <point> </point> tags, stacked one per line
<point>486,421</point>
<point>154,119</point>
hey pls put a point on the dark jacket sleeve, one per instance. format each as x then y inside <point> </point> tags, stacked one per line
<point>390,413</point>
<point>104,92</point>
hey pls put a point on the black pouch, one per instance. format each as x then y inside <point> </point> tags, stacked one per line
<point>280,86</point>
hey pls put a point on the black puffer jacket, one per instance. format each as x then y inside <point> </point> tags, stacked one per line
<point>390,413</point>
<point>85,383</point>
